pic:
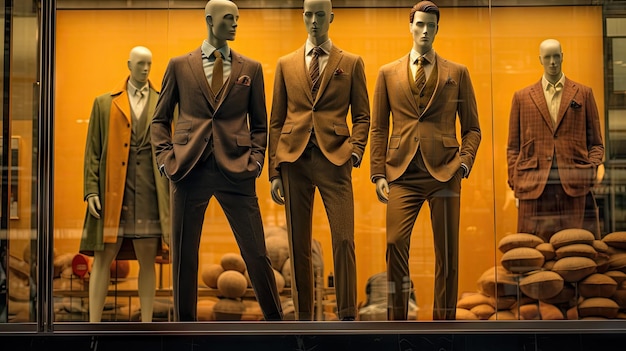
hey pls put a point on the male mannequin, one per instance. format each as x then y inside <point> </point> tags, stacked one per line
<point>554,148</point>
<point>421,160</point>
<point>218,149</point>
<point>310,145</point>
<point>127,199</point>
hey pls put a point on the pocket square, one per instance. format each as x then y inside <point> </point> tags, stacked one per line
<point>338,72</point>
<point>574,104</point>
<point>450,81</point>
<point>244,80</point>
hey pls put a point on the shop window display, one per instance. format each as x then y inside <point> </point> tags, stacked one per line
<point>501,55</point>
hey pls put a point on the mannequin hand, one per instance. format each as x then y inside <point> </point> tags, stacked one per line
<point>278,194</point>
<point>382,190</point>
<point>94,206</point>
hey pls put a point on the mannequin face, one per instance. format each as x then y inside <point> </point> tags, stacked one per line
<point>139,64</point>
<point>221,18</point>
<point>424,29</point>
<point>318,16</point>
<point>551,58</point>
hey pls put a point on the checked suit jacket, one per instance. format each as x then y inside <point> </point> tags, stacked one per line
<point>533,141</point>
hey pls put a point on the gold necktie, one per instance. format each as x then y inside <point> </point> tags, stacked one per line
<point>314,70</point>
<point>218,72</point>
<point>420,75</point>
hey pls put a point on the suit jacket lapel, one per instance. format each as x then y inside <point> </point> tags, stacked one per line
<point>539,99</point>
<point>122,103</point>
<point>333,61</point>
<point>567,95</point>
<point>152,100</point>
<point>404,84</point>
<point>299,65</point>
<point>237,63</point>
<point>197,70</point>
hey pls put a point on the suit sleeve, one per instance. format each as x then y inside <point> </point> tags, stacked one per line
<point>360,109</point>
<point>468,116</point>
<point>93,151</point>
<point>380,127</point>
<point>594,134</point>
<point>161,128</point>
<point>277,119</point>
<point>257,113</point>
<point>513,143</point>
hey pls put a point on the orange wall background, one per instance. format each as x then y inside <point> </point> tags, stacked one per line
<point>499,46</point>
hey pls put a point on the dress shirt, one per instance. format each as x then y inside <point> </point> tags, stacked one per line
<point>208,60</point>
<point>137,103</point>
<point>552,93</point>
<point>428,68</point>
<point>323,59</point>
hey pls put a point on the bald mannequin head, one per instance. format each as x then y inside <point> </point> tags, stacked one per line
<point>551,58</point>
<point>139,64</point>
<point>221,18</point>
<point>318,15</point>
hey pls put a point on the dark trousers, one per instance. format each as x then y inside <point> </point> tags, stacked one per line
<point>190,198</point>
<point>406,197</point>
<point>300,179</point>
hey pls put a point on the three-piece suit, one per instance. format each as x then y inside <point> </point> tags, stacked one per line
<point>421,158</point>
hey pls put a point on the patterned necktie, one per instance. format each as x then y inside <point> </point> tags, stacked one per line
<point>218,72</point>
<point>314,70</point>
<point>420,75</point>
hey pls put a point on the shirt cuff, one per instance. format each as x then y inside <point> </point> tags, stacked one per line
<point>356,163</point>
<point>260,169</point>
<point>465,170</point>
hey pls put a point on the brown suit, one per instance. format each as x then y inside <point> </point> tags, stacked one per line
<point>421,160</point>
<point>215,150</point>
<point>534,141</point>
<point>296,119</point>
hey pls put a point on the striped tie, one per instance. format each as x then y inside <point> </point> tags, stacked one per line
<point>420,75</point>
<point>314,70</point>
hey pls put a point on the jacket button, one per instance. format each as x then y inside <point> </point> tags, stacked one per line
<point>314,109</point>
<point>549,158</point>
<point>415,138</point>
<point>206,139</point>
<point>123,163</point>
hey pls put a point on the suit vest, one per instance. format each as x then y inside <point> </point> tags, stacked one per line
<point>140,211</point>
<point>423,97</point>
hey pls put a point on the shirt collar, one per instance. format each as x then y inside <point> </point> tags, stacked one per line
<point>430,56</point>
<point>560,83</point>
<point>207,50</point>
<point>132,89</point>
<point>325,46</point>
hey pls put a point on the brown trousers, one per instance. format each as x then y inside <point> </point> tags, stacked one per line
<point>406,197</point>
<point>334,183</point>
